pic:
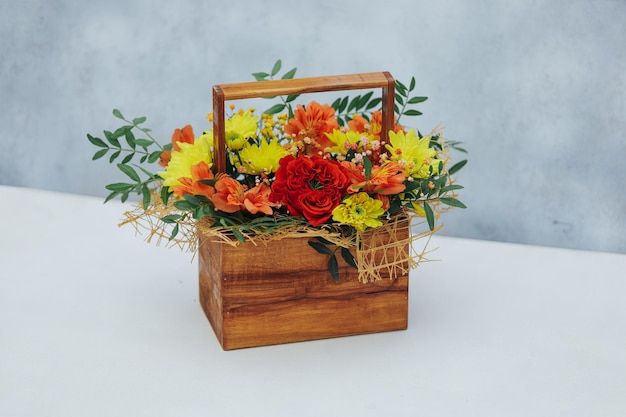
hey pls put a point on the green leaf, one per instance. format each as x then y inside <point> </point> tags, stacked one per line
<point>154,156</point>
<point>99,154</point>
<point>192,199</point>
<point>430,216</point>
<point>343,104</point>
<point>276,68</point>
<point>292,97</point>
<point>415,100</point>
<point>165,195</point>
<point>128,158</point>
<point>276,108</point>
<point>348,257</point>
<point>145,192</point>
<point>450,188</point>
<point>130,138</point>
<point>399,99</point>
<point>353,103</point>
<point>139,120</point>
<point>184,205</point>
<point>120,131</point>
<point>412,112</point>
<point>452,202</point>
<point>333,267</point>
<point>367,167</point>
<point>240,237</point>
<point>119,186</point>
<point>97,141</point>
<point>171,218</point>
<point>111,196</point>
<point>114,156</point>
<point>174,232</point>
<point>456,167</point>
<point>289,74</point>
<point>412,84</point>
<point>401,88</point>
<point>260,76</point>
<point>132,174</point>
<point>118,114</point>
<point>320,247</point>
<point>375,102</point>
<point>363,101</point>
<point>144,143</point>
<point>336,103</point>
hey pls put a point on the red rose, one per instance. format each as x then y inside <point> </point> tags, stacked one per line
<point>310,186</point>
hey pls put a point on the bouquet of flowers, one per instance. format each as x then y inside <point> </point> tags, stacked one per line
<point>311,169</point>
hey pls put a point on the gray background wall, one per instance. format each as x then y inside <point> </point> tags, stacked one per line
<point>535,89</point>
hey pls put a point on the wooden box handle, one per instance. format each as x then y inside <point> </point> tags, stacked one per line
<point>271,88</point>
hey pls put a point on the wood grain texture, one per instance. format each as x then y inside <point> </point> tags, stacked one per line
<point>283,292</point>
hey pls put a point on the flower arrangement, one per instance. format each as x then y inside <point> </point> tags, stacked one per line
<point>313,168</point>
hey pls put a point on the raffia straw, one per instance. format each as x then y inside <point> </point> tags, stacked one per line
<point>391,250</point>
<point>388,251</point>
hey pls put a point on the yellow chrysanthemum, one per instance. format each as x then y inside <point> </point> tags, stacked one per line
<point>412,153</point>
<point>239,128</point>
<point>359,211</point>
<point>262,159</point>
<point>343,141</point>
<point>190,154</point>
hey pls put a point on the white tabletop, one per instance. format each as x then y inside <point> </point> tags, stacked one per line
<point>96,322</point>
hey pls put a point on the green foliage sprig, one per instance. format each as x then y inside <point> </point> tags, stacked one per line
<point>286,101</point>
<point>143,148</point>
<point>324,247</point>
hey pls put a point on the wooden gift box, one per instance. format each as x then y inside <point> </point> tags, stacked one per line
<point>281,291</point>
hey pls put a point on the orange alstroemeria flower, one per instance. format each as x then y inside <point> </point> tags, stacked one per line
<point>384,180</point>
<point>184,135</point>
<point>313,122</point>
<point>229,194</point>
<point>373,127</point>
<point>199,171</point>
<point>256,200</point>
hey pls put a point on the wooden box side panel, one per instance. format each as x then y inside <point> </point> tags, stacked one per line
<point>318,314</point>
<point>282,292</point>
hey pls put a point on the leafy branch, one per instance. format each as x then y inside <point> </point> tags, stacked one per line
<point>403,98</point>
<point>345,107</point>
<point>323,246</point>
<point>286,101</point>
<point>131,146</point>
